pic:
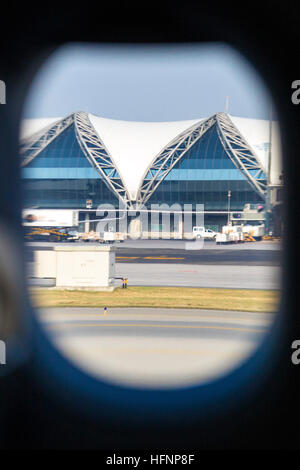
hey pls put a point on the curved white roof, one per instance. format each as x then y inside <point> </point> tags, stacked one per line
<point>257,134</point>
<point>134,145</point>
<point>32,126</point>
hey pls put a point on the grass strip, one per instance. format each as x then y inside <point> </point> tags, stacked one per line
<point>162,297</point>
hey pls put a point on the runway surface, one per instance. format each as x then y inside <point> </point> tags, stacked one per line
<point>205,257</point>
<point>167,263</point>
<point>208,245</point>
<point>148,347</point>
<point>218,276</point>
<point>178,251</point>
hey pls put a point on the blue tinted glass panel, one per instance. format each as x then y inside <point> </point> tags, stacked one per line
<point>62,177</point>
<point>203,176</point>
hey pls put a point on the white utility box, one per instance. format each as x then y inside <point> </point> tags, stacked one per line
<point>45,264</point>
<point>84,266</point>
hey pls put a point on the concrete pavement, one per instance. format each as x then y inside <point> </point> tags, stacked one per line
<point>222,276</point>
<point>155,347</point>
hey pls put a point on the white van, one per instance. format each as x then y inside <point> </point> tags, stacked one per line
<point>202,232</point>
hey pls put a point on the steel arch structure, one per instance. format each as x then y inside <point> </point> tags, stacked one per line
<point>90,144</point>
<point>99,157</point>
<point>169,157</point>
<point>234,144</point>
<point>241,153</point>
<point>34,145</point>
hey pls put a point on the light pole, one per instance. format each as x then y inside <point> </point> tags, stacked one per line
<point>228,198</point>
<point>269,181</point>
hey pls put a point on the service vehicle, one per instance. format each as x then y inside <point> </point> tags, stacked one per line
<point>111,237</point>
<point>205,233</point>
<point>252,219</point>
<point>49,225</point>
<point>230,234</point>
<point>91,236</point>
<point>255,231</point>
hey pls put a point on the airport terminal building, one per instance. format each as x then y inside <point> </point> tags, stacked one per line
<point>82,161</point>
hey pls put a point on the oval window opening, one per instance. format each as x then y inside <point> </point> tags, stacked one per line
<point>153,213</point>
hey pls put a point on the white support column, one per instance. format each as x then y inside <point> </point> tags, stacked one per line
<point>135,228</point>
<point>180,227</point>
<point>87,222</point>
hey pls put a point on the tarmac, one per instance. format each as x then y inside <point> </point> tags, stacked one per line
<point>155,348</point>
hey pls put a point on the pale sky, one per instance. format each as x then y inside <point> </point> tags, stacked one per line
<point>147,83</point>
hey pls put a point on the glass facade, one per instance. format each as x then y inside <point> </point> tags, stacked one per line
<point>62,177</point>
<point>204,175</point>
